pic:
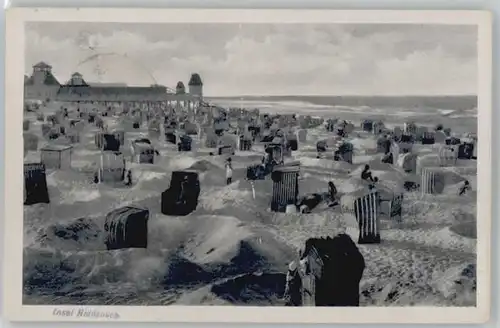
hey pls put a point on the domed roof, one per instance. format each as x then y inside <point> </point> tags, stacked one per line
<point>195,80</point>
<point>42,65</point>
<point>180,85</point>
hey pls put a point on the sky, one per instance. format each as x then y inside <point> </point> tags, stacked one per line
<point>264,59</point>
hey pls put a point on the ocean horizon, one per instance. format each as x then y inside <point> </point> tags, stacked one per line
<point>457,111</point>
<point>456,102</point>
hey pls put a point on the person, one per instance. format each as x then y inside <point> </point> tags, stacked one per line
<point>332,194</point>
<point>267,157</point>
<point>229,171</point>
<point>372,185</point>
<point>128,181</point>
<point>309,202</point>
<point>336,156</point>
<point>304,209</point>
<point>243,145</point>
<point>367,174</point>
<point>466,186</point>
<point>388,158</point>
<point>263,169</point>
<point>183,190</point>
<point>332,191</point>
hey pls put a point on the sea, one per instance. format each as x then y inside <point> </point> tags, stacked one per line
<point>456,112</point>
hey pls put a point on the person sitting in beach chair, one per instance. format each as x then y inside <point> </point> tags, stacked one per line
<point>309,202</point>
<point>388,158</point>
<point>466,187</point>
<point>367,174</point>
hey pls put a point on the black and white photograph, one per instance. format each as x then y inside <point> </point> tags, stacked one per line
<point>263,164</point>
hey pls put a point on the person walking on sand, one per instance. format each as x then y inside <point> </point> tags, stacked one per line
<point>229,171</point>
<point>464,188</point>
<point>128,181</point>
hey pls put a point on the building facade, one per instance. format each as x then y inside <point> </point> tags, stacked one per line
<point>42,85</point>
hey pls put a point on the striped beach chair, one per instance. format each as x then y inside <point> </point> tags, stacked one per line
<point>111,167</point>
<point>396,207</point>
<point>285,187</point>
<point>362,212</point>
<point>432,181</point>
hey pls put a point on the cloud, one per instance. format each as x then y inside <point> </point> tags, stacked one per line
<point>267,59</point>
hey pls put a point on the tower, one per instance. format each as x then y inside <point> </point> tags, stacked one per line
<point>40,72</point>
<point>180,88</point>
<point>77,79</point>
<point>41,84</point>
<point>196,85</point>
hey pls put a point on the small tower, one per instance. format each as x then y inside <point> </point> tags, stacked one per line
<point>42,84</point>
<point>180,89</point>
<point>77,79</point>
<point>196,85</point>
<point>40,72</point>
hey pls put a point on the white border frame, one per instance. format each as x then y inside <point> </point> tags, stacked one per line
<point>15,311</point>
